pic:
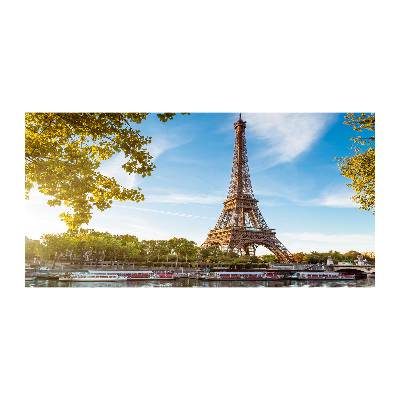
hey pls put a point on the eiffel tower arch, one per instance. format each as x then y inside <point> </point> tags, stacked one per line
<point>241,228</point>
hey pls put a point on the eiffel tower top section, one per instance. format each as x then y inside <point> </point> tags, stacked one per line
<point>240,186</point>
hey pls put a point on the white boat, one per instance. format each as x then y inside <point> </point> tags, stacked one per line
<point>244,276</point>
<point>128,275</point>
<point>329,276</point>
<point>30,274</point>
<point>179,275</point>
<point>87,277</point>
<point>163,276</point>
<point>43,273</point>
<point>110,276</point>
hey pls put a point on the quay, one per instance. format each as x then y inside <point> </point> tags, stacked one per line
<point>74,266</point>
<point>192,270</point>
<point>207,274</point>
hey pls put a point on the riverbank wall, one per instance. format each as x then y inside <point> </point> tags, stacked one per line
<point>185,267</point>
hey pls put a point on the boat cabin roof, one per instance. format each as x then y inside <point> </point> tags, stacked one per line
<point>239,273</point>
<point>96,271</point>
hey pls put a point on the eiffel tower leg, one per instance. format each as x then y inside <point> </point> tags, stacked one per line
<point>279,250</point>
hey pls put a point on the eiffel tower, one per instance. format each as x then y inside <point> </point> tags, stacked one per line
<point>241,228</point>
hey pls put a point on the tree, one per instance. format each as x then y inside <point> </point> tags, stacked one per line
<point>113,247</point>
<point>63,153</point>
<point>351,255</point>
<point>227,256</point>
<point>360,165</point>
<point>79,244</point>
<point>31,249</point>
<point>163,249</point>
<point>97,245</point>
<point>243,259</point>
<point>315,258</point>
<point>129,246</point>
<point>205,253</point>
<point>130,250</point>
<point>184,247</point>
<point>312,258</point>
<point>269,258</point>
<point>215,254</point>
<point>189,249</point>
<point>146,249</point>
<point>55,245</point>
<point>298,257</point>
<point>336,256</point>
<point>254,260</point>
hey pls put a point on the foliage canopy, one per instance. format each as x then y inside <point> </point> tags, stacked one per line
<point>360,165</point>
<point>63,153</point>
<point>90,245</point>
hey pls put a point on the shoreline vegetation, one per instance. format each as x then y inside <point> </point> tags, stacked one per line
<point>89,248</point>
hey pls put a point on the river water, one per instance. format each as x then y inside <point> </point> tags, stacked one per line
<point>366,282</point>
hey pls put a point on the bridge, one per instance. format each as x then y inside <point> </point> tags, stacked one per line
<point>367,269</point>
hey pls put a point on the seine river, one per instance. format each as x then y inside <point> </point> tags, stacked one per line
<point>366,282</point>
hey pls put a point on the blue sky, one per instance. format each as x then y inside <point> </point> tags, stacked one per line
<point>300,191</point>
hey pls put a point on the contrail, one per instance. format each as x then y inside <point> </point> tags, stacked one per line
<point>164,212</point>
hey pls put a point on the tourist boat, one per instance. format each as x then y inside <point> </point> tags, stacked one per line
<point>88,277</point>
<point>182,274</point>
<point>43,273</point>
<point>30,274</point>
<point>107,276</point>
<point>139,275</point>
<point>320,276</point>
<point>29,277</point>
<point>244,276</point>
<point>163,276</point>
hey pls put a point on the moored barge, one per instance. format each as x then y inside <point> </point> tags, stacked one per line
<point>312,275</point>
<point>87,277</point>
<point>243,276</point>
<point>163,276</point>
<point>127,275</point>
<point>107,276</point>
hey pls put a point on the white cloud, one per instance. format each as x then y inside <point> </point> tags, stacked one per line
<point>335,196</point>
<point>113,168</point>
<point>189,199</point>
<point>321,237</point>
<point>338,200</point>
<point>286,136</point>
<point>161,142</point>
<point>37,197</point>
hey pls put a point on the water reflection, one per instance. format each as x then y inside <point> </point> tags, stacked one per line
<point>368,282</point>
